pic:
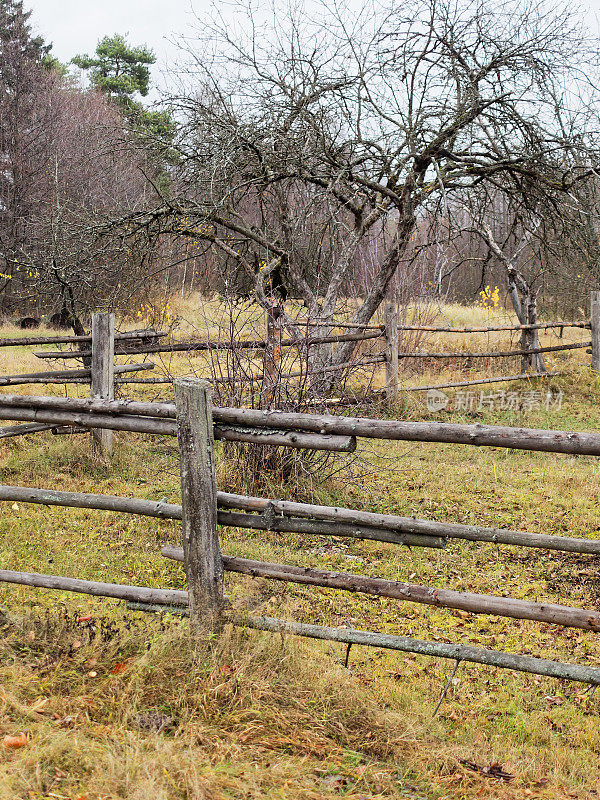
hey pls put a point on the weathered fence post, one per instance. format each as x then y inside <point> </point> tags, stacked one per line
<point>595,323</point>
<point>271,357</point>
<point>103,371</point>
<point>391,350</point>
<point>202,554</point>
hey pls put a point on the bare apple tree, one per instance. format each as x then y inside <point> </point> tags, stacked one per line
<point>310,141</point>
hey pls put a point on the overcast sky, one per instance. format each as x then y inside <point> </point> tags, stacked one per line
<point>74,26</point>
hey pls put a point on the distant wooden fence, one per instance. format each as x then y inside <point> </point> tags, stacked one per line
<point>394,356</point>
<point>204,508</point>
<point>272,347</point>
<point>146,342</point>
<point>99,369</point>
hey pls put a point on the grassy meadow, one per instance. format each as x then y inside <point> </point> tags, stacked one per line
<point>118,704</point>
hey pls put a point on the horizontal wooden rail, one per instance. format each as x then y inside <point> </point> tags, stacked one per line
<point>433,596</point>
<point>154,599</point>
<point>145,381</point>
<point>90,421</point>
<point>456,652</point>
<point>378,526</point>
<point>551,441</point>
<point>269,436</point>
<point>191,346</point>
<point>162,510</point>
<point>413,525</point>
<point>500,379</point>
<point>116,590</point>
<point>333,324</point>
<point>323,520</point>
<point>294,439</point>
<point>326,528</point>
<point>60,376</point>
<point>101,502</point>
<point>35,340</point>
<point>497,353</point>
<point>67,430</point>
<point>491,329</point>
<point>23,430</point>
<point>174,347</point>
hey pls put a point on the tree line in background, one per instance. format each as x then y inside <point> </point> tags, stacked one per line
<point>423,148</point>
<point>72,158</point>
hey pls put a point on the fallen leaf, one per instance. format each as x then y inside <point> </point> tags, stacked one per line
<point>13,742</point>
<point>76,645</point>
<point>85,618</point>
<point>119,667</point>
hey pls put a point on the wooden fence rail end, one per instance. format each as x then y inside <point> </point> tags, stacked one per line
<point>441,598</point>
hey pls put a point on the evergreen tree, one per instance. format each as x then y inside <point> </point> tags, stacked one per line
<point>19,49</point>
<point>15,32</point>
<point>122,71</point>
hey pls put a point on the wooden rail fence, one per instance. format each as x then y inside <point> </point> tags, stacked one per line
<point>99,370</point>
<point>272,347</point>
<point>204,508</point>
<point>145,342</point>
<point>393,356</point>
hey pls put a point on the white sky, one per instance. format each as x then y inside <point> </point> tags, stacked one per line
<point>75,26</point>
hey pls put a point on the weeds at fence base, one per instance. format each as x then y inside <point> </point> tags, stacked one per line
<point>121,706</point>
<point>111,704</point>
<point>260,467</point>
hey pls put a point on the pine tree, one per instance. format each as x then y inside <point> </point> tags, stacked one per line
<point>122,71</point>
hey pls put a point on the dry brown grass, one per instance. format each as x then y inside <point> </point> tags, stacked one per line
<point>243,716</point>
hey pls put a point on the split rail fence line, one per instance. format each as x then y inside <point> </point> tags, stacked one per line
<point>141,343</point>
<point>99,370</point>
<point>393,356</point>
<point>203,508</point>
<point>271,347</point>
